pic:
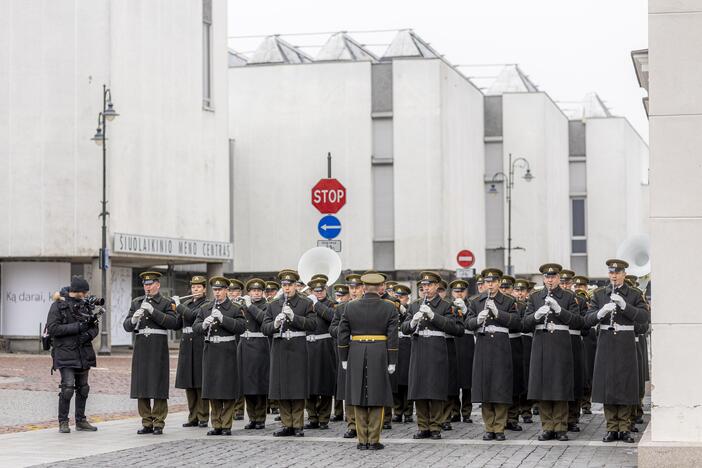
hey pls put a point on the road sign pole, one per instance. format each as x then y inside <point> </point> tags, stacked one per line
<point>329,165</point>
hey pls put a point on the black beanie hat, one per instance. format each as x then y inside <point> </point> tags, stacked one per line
<point>79,284</point>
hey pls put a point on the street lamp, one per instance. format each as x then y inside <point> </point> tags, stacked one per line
<point>509,178</point>
<point>100,138</point>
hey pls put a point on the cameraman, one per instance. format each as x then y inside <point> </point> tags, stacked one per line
<point>72,327</point>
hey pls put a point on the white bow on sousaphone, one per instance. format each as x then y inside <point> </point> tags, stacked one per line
<point>319,260</point>
<point>636,250</point>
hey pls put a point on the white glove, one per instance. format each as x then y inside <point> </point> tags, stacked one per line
<point>429,314</point>
<point>288,312</point>
<point>176,299</point>
<point>460,303</point>
<point>207,322</point>
<point>607,308</point>
<point>618,300</point>
<point>313,298</point>
<point>553,304</point>
<point>148,308</point>
<point>391,368</point>
<point>403,309</point>
<point>247,300</point>
<point>416,318</point>
<point>491,307</point>
<point>216,314</point>
<point>541,312</point>
<point>280,318</point>
<point>482,316</point>
<point>137,316</point>
<point>344,364</point>
<point>424,309</point>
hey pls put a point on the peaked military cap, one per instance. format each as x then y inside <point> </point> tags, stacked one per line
<point>507,281</point>
<point>317,284</point>
<point>385,277</point>
<point>234,284</point>
<point>320,276</point>
<point>521,284</point>
<point>550,268</point>
<point>580,280</point>
<point>443,285</point>
<point>340,289</point>
<point>197,279</point>
<point>390,284</point>
<point>402,290</point>
<point>616,265</point>
<point>373,279</point>
<point>458,285</point>
<point>149,277</point>
<point>218,282</point>
<point>290,276</point>
<point>353,279</point>
<point>429,277</point>
<point>272,286</point>
<point>255,283</point>
<point>567,275</point>
<point>491,274</point>
<point>479,279</point>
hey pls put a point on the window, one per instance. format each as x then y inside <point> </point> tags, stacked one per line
<point>207,54</point>
<point>578,226</point>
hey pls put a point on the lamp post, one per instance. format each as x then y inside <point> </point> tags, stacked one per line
<point>108,114</point>
<point>509,179</point>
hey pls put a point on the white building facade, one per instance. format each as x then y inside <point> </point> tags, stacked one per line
<point>168,188</point>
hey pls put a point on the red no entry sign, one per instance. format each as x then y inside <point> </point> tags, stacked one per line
<point>328,196</point>
<point>465,258</point>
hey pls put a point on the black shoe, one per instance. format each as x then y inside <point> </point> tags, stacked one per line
<point>489,436</point>
<point>466,419</point>
<point>639,420</point>
<point>513,426</point>
<point>626,437</point>
<point>562,436</point>
<point>158,431</point>
<point>284,432</point>
<point>422,435</point>
<point>535,411</point>
<point>312,425</point>
<point>274,411</point>
<point>84,425</point>
<point>277,418</point>
<point>214,432</point>
<point>436,435</point>
<point>573,427</point>
<point>299,433</point>
<point>409,419</point>
<point>397,418</point>
<point>323,426</point>
<point>527,419</point>
<point>260,426</point>
<point>362,446</point>
<point>631,429</point>
<point>251,425</point>
<point>387,425</point>
<point>446,426</point>
<point>226,432</point>
<point>610,436</point>
<point>456,418</point>
<point>64,428</point>
<point>337,418</point>
<point>350,434</point>
<point>202,424</point>
<point>499,436</point>
<point>146,430</point>
<point>587,411</point>
<point>546,435</point>
<point>190,424</point>
<point>376,446</point>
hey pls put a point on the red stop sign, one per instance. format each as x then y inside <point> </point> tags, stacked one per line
<point>328,196</point>
<point>465,258</point>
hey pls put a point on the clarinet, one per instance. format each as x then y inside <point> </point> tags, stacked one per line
<point>209,329</point>
<point>614,312</point>
<point>424,317</point>
<point>282,325</point>
<point>546,322</point>
<point>145,301</point>
<point>489,298</point>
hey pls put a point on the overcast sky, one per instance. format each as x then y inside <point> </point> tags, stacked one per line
<point>567,47</point>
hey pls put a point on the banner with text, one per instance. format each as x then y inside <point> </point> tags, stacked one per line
<point>137,244</point>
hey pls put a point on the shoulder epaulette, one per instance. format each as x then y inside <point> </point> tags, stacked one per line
<point>395,304</point>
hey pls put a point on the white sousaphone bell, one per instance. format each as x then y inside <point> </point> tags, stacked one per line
<point>319,260</point>
<point>636,250</point>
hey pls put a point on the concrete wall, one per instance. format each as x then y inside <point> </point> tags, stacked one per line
<point>438,166</point>
<point>167,157</point>
<point>617,206</point>
<point>675,39</point>
<point>284,119</point>
<point>534,128</point>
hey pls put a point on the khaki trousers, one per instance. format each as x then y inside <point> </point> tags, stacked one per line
<point>198,409</point>
<point>318,408</point>
<point>292,413</point>
<point>429,414</point>
<point>618,417</point>
<point>222,413</point>
<point>256,408</point>
<point>152,416</point>
<point>554,415</point>
<point>369,423</point>
<point>494,416</point>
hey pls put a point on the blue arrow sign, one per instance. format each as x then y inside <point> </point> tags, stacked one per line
<point>329,227</point>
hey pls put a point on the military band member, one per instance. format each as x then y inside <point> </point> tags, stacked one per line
<point>403,407</point>
<point>465,348</point>
<point>492,315</point>
<point>254,355</point>
<point>189,373</point>
<point>429,321</point>
<point>234,292</point>
<point>368,341</point>
<point>642,331</point>
<point>390,288</point>
<point>579,375</point>
<point>150,317</point>
<point>452,406</point>
<point>322,357</point>
<point>272,288</point>
<point>219,323</point>
<point>515,341</point>
<point>580,287</point>
<point>617,308</point>
<point>355,287</point>
<point>288,319</point>
<point>342,296</point>
<point>521,293</point>
<point>551,313</point>
<point>443,289</point>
